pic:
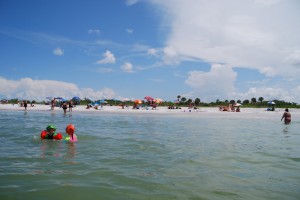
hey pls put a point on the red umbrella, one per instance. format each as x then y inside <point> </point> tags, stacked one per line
<point>148,98</point>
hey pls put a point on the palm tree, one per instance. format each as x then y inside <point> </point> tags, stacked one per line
<point>178,97</point>
<point>189,101</point>
<point>253,100</point>
<point>183,99</point>
<point>197,101</point>
<point>246,101</point>
<point>261,99</point>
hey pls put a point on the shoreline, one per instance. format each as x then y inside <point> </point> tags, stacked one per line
<point>158,110</point>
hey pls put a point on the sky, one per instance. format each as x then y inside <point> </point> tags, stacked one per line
<point>211,50</point>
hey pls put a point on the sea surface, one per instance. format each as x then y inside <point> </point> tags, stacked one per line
<point>118,156</point>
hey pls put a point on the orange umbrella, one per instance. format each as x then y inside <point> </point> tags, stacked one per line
<point>137,101</point>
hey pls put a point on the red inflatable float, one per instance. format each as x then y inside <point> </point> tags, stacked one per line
<point>50,133</point>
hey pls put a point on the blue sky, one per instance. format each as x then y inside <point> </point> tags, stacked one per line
<point>226,50</point>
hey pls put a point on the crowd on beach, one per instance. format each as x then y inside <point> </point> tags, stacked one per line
<point>62,104</point>
<point>230,108</point>
<point>141,105</point>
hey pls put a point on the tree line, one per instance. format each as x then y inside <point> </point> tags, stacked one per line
<point>183,101</point>
<point>253,102</point>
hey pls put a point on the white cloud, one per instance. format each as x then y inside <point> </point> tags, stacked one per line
<point>129,31</point>
<point>171,56</point>
<point>27,88</point>
<point>156,80</point>
<point>255,34</point>
<point>266,2</point>
<point>215,84</point>
<point>219,83</point>
<point>268,93</point>
<point>127,67</point>
<point>152,52</point>
<point>108,58</point>
<point>58,51</point>
<point>94,31</point>
<point>131,2</point>
<point>104,70</point>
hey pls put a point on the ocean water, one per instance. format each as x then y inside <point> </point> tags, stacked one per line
<point>150,156</point>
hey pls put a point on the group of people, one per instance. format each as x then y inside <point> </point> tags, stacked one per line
<point>50,133</point>
<point>64,105</point>
<point>230,108</point>
<point>25,104</point>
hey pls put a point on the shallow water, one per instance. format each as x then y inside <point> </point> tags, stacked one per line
<point>150,156</point>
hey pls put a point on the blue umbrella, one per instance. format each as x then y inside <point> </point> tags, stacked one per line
<point>102,101</point>
<point>76,98</point>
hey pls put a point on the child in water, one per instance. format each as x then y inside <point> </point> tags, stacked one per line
<point>70,129</point>
<point>50,133</point>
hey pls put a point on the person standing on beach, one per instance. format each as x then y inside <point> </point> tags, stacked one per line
<point>70,105</point>
<point>287,116</point>
<point>52,104</point>
<point>25,105</point>
<point>65,106</point>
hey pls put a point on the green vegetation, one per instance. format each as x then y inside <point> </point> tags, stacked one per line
<point>182,101</point>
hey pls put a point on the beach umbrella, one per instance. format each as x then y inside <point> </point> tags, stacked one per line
<point>237,104</point>
<point>158,100</point>
<point>76,98</point>
<point>271,102</point>
<point>148,98</point>
<point>137,101</point>
<point>102,101</point>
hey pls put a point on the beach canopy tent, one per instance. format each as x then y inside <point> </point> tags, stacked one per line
<point>148,98</point>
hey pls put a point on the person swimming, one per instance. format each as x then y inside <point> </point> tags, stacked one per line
<point>50,133</point>
<point>70,129</point>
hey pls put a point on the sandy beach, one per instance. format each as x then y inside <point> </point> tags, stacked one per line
<point>159,110</point>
